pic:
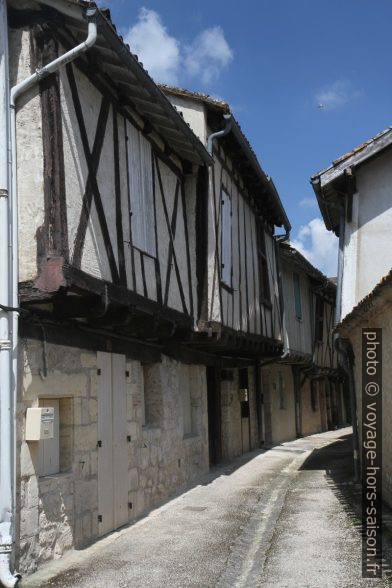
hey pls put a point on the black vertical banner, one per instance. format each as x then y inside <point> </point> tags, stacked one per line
<point>371,453</point>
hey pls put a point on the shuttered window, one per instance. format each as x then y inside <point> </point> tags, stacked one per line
<point>141,195</point>
<point>297,296</point>
<point>226,252</point>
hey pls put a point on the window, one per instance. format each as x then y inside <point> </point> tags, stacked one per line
<point>263,266</point>
<point>141,191</point>
<point>226,252</point>
<point>297,296</point>
<point>55,455</point>
<point>314,395</point>
<point>319,319</point>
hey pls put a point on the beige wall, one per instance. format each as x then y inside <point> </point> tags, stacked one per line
<point>311,420</point>
<point>29,156</point>
<point>279,422</point>
<point>59,512</point>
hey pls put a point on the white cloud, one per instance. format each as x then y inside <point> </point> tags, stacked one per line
<point>308,203</point>
<point>159,52</point>
<point>337,94</point>
<point>208,55</point>
<point>318,245</point>
<point>167,60</point>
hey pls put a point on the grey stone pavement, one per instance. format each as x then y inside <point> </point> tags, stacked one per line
<point>280,518</point>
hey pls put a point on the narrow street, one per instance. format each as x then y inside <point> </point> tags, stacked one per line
<point>274,518</point>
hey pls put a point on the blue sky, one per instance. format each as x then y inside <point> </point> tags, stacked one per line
<point>276,63</point>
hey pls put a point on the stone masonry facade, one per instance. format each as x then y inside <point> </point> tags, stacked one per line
<point>59,512</point>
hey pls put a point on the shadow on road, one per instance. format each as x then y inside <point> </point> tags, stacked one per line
<point>337,461</point>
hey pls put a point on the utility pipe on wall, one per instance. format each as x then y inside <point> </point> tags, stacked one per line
<point>9,279</point>
<point>7,341</point>
<point>219,134</point>
<point>339,286</point>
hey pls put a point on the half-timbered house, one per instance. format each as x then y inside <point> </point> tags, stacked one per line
<point>108,177</point>
<point>148,282</point>
<point>239,311</point>
<point>303,390</point>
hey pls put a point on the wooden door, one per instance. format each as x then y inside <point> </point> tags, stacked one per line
<point>112,443</point>
<point>120,448</point>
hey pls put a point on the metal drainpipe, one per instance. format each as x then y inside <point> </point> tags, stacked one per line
<point>7,343</point>
<point>9,279</point>
<point>210,145</point>
<point>278,239</point>
<point>219,134</point>
<point>344,347</point>
<point>339,287</point>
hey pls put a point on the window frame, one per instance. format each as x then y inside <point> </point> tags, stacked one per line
<point>141,210</point>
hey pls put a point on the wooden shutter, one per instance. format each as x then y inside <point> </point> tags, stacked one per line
<point>226,257</point>
<point>141,191</point>
<point>105,443</point>
<point>120,447</point>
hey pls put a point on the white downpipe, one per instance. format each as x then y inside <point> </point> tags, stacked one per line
<point>7,386</point>
<point>9,254</point>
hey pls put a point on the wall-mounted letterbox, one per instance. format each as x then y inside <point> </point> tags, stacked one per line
<point>39,423</point>
<point>243,395</point>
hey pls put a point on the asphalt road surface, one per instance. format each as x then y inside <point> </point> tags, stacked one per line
<point>279,518</point>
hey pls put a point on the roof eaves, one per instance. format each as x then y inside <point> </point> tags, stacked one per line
<point>355,157</point>
<point>290,253</point>
<point>366,304</point>
<point>75,9</point>
<point>210,101</point>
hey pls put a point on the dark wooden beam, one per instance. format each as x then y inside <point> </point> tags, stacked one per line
<point>93,340</point>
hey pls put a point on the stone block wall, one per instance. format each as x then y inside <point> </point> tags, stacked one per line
<point>60,511</point>
<point>279,421</point>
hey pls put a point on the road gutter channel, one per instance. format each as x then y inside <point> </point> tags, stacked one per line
<point>249,552</point>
